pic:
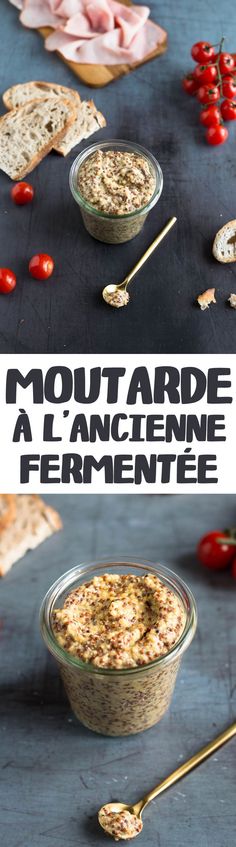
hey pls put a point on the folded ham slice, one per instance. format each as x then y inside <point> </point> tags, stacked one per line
<point>94,31</point>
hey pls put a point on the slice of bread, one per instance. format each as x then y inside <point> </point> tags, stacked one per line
<point>20,94</point>
<point>88,121</point>
<point>27,134</point>
<point>34,521</point>
<point>224,245</point>
<point>7,509</point>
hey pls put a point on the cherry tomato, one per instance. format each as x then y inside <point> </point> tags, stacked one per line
<point>208,94</point>
<point>41,266</point>
<point>205,73</point>
<point>226,63</point>
<point>216,135</point>
<point>22,193</point>
<point>189,84</point>
<point>203,52</point>
<point>233,569</point>
<point>210,116</point>
<point>228,110</point>
<point>212,554</point>
<point>7,281</point>
<point>229,87</point>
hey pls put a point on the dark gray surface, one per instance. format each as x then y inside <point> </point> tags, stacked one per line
<point>148,106</point>
<point>55,774</point>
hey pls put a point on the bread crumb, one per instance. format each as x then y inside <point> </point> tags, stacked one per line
<point>232,300</point>
<point>206,298</point>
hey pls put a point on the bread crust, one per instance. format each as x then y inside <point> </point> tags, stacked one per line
<point>47,147</point>
<point>222,234</point>
<point>63,92</point>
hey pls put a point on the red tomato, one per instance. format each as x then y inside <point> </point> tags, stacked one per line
<point>210,116</point>
<point>216,135</point>
<point>228,110</point>
<point>203,52</point>
<point>226,62</point>
<point>208,94</point>
<point>233,569</point>
<point>212,554</point>
<point>7,281</point>
<point>41,266</point>
<point>205,73</point>
<point>22,193</point>
<point>229,87</point>
<point>189,84</point>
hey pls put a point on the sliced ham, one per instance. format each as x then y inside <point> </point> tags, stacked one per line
<point>36,13</point>
<point>94,31</point>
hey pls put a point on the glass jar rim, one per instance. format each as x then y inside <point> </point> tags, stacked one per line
<point>121,143</point>
<point>69,577</point>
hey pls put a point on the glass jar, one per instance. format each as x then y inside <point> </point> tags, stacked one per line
<point>114,229</point>
<point>124,701</point>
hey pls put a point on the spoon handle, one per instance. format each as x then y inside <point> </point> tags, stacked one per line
<point>150,249</point>
<point>189,765</point>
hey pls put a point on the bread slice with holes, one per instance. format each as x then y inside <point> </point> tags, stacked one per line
<point>224,245</point>
<point>23,92</point>
<point>28,133</point>
<point>33,522</point>
<point>88,121</point>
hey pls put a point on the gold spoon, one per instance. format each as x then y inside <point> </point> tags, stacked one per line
<point>116,295</point>
<point>135,826</point>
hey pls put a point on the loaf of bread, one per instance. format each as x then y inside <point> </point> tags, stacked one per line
<point>88,118</point>
<point>31,522</point>
<point>28,133</point>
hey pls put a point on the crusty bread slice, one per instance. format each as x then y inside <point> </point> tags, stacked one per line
<point>34,521</point>
<point>88,121</point>
<point>224,245</point>
<point>27,134</point>
<point>7,509</point>
<point>21,93</point>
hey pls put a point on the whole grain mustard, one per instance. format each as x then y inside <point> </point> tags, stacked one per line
<point>119,621</point>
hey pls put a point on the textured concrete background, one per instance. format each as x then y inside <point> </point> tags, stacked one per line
<point>148,106</point>
<point>54,773</point>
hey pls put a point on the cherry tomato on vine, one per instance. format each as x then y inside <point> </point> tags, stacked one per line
<point>189,84</point>
<point>229,87</point>
<point>41,266</point>
<point>228,110</point>
<point>205,73</point>
<point>216,135</point>
<point>203,52</point>
<point>7,281</point>
<point>212,554</point>
<point>22,193</point>
<point>210,116</point>
<point>226,63</point>
<point>208,94</point>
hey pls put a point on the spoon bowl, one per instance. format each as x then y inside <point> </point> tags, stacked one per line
<point>117,295</point>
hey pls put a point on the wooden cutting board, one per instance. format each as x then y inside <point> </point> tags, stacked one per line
<point>99,75</point>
